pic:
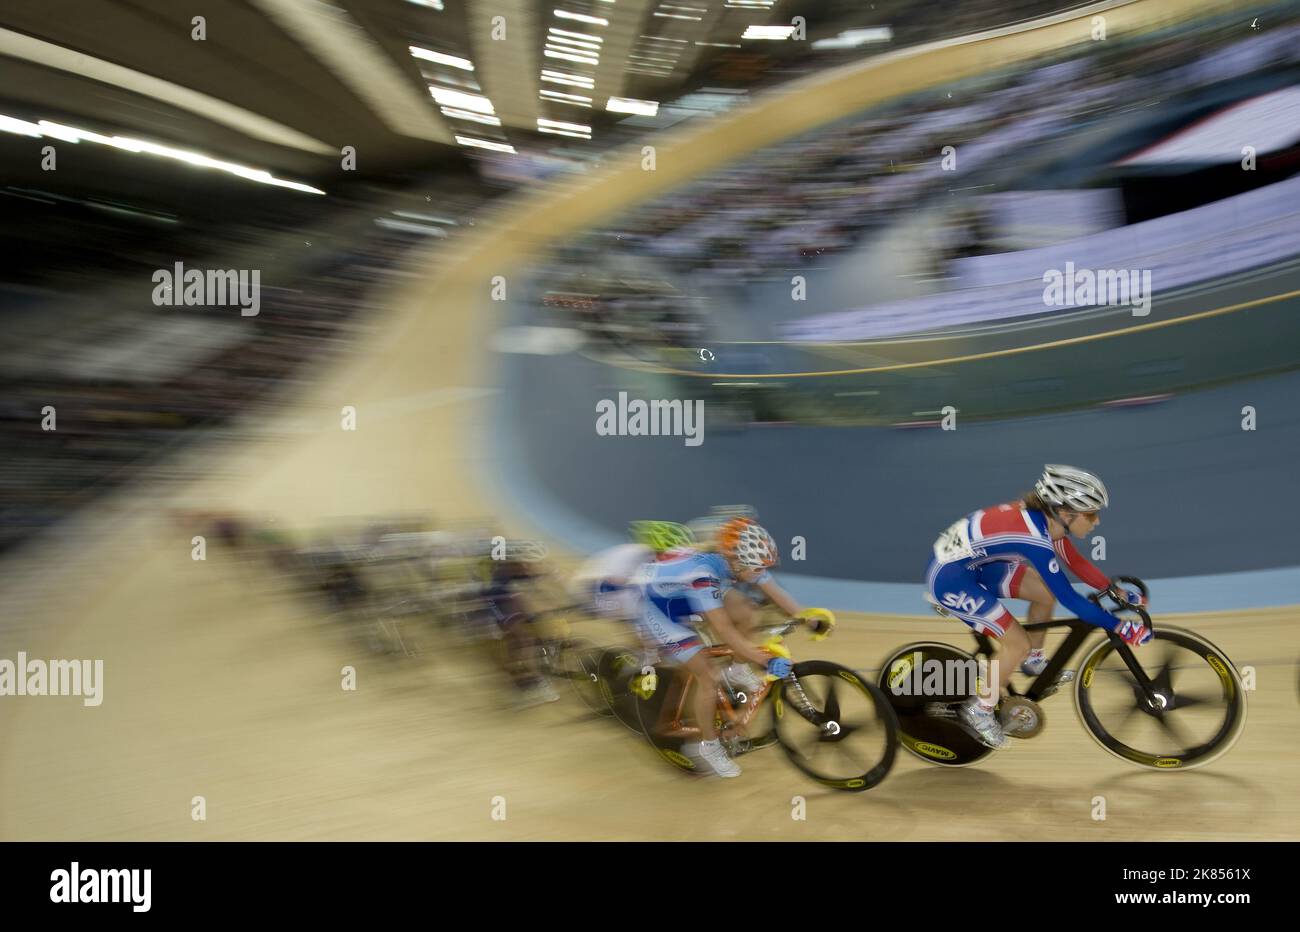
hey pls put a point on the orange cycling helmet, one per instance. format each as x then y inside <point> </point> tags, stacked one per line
<point>743,541</point>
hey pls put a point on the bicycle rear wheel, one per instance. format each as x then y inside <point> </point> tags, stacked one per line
<point>934,738</point>
<point>614,671</point>
<point>1200,707</point>
<point>578,661</point>
<point>836,727</point>
<point>652,716</point>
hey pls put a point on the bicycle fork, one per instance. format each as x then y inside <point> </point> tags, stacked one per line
<point>1156,701</point>
<point>804,706</point>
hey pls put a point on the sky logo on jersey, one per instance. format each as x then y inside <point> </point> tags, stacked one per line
<point>961,602</point>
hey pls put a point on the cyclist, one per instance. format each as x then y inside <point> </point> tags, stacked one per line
<point>742,596</point>
<point>683,585</point>
<point>605,581</point>
<point>502,581</point>
<point>1015,551</point>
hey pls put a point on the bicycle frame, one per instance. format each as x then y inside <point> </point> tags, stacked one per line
<point>671,722</point>
<point>1045,684</point>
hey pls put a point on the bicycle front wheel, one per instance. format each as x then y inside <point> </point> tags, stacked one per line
<point>1198,711</point>
<point>836,727</point>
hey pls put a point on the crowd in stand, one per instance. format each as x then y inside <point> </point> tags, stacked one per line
<point>619,304</point>
<point>795,204</point>
<point>105,428</point>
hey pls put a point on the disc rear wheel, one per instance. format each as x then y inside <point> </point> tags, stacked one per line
<point>928,726</point>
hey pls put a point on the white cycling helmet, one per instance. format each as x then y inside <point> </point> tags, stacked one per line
<point>1068,487</point>
<point>748,544</point>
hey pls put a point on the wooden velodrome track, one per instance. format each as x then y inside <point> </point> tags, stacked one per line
<point>219,685</point>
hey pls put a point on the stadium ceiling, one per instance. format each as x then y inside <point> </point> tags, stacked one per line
<point>284,85</point>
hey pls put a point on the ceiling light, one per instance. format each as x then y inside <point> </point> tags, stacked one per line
<point>631,105</point>
<point>142,146</point>
<point>580,59</point>
<point>585,85</point>
<point>484,144</point>
<point>560,124</point>
<point>575,35</point>
<point>22,128</point>
<point>457,114</point>
<point>442,58</point>
<point>768,32</point>
<point>562,132</point>
<point>558,95</point>
<point>561,41</point>
<point>852,38</point>
<point>449,98</point>
<point>594,20</point>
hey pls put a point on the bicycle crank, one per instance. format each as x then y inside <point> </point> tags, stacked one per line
<point>1020,717</point>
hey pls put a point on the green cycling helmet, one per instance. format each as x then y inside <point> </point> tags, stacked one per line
<point>660,536</point>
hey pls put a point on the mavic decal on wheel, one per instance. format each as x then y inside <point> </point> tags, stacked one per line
<point>1220,669</point>
<point>902,668</point>
<point>937,751</point>
<point>855,783</point>
<point>681,760</point>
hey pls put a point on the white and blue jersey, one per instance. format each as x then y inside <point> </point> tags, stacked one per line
<point>606,581</point>
<point>975,558</point>
<point>679,585</point>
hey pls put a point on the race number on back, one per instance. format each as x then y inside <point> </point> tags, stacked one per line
<point>954,544</point>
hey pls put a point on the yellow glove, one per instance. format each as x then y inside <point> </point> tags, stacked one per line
<point>821,622</point>
<point>776,646</point>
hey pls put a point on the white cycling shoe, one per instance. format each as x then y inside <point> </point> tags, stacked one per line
<point>1035,663</point>
<point>984,722</point>
<point>712,753</point>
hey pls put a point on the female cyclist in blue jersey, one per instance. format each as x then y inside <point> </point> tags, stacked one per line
<point>1015,551</point>
<point>684,585</point>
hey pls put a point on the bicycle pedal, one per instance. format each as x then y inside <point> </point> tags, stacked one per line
<point>1067,676</point>
<point>737,747</point>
